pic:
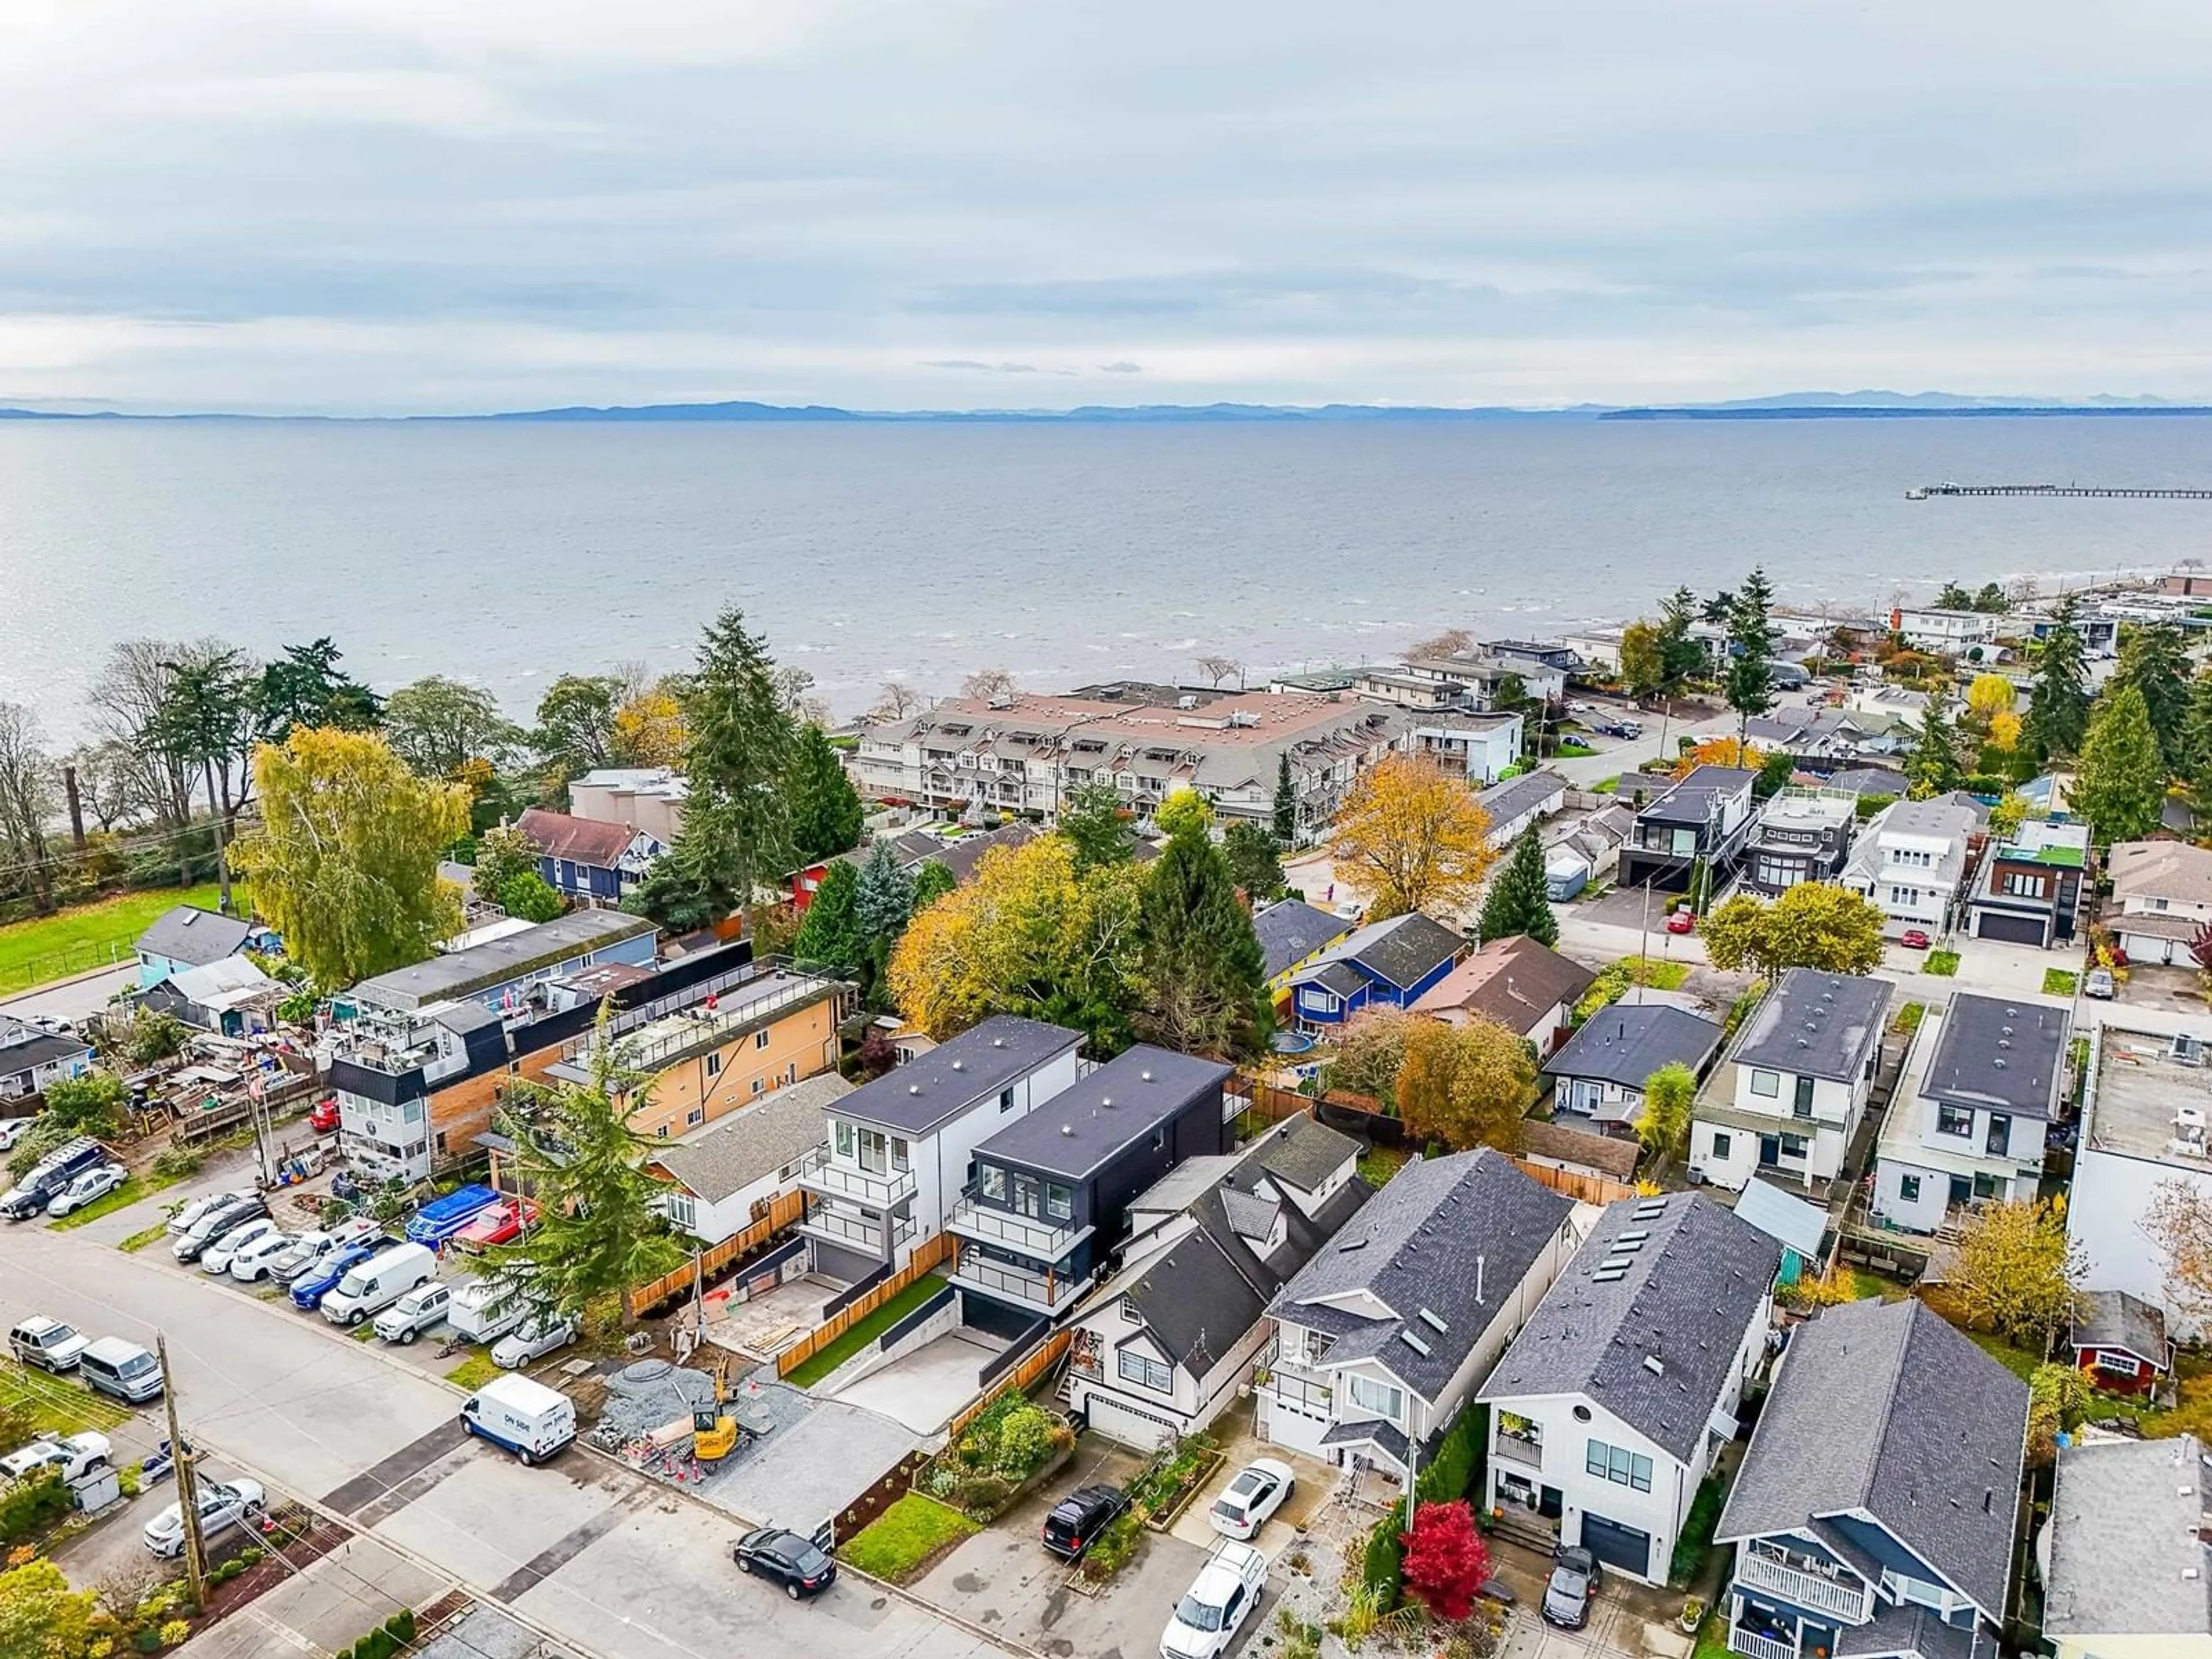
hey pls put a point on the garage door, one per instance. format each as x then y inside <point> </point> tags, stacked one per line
<point>2018,930</point>
<point>1618,1546</point>
<point>1128,1424</point>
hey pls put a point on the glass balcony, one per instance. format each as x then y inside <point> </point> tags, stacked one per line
<point>841,1227</point>
<point>821,1173</point>
<point>1046,1240</point>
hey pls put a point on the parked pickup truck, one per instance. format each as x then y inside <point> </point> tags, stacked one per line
<point>414,1313</point>
<point>439,1219</point>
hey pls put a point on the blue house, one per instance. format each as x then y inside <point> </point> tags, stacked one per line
<point>1874,1514</point>
<point>1386,964</point>
<point>187,937</point>
<point>584,860</point>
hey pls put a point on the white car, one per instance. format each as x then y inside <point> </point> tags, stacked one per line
<point>539,1334</point>
<point>78,1455</point>
<point>95,1182</point>
<point>1222,1597</point>
<point>309,1250</point>
<point>250,1263</point>
<point>223,1505</point>
<point>218,1256</point>
<point>414,1313</point>
<point>12,1129</point>
<point>1257,1492</point>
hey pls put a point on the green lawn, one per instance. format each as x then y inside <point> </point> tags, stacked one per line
<point>145,1236</point>
<point>1908,1018</point>
<point>2059,982</point>
<point>473,1372</point>
<point>2019,1361</point>
<point>91,935</point>
<point>1942,963</point>
<point>1606,786</point>
<point>1378,1163</point>
<point>899,1541</point>
<point>823,1361</point>
<point>58,1406</point>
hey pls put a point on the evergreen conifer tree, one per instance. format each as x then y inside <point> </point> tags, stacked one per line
<point>1287,803</point>
<point>2058,701</point>
<point>830,936</point>
<point>1200,963</point>
<point>1519,901</point>
<point>825,809</point>
<point>2119,785</point>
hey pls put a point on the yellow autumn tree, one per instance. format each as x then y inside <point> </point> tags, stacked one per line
<point>1028,936</point>
<point>648,729</point>
<point>1466,1085</point>
<point>344,862</point>
<point>1412,838</point>
<point>1720,751</point>
<point>2004,730</point>
<point>1988,697</point>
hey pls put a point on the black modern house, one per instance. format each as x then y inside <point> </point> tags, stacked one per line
<point>1048,1198</point>
<point>1707,815</point>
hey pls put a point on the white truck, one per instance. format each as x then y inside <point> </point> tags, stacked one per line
<point>530,1420</point>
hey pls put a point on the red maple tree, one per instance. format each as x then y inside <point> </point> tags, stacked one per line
<point>1446,1563</point>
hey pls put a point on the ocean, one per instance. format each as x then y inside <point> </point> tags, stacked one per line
<point>508,554</point>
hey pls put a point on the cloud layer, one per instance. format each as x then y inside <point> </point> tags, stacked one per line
<point>389,205</point>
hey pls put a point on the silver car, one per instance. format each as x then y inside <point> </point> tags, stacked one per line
<point>223,1505</point>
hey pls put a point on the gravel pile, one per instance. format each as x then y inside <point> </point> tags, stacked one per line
<point>641,1397</point>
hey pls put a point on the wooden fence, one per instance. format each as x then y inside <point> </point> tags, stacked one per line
<point>929,1255</point>
<point>783,1209</point>
<point>1046,1356</point>
<point>1583,1188</point>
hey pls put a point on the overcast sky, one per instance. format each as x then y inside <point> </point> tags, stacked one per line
<point>392,205</point>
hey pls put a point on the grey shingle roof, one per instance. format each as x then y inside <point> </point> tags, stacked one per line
<point>1306,1153</point>
<point>1998,1056</point>
<point>1816,1024</point>
<point>1401,951</point>
<point>1869,780</point>
<point>1898,1629</point>
<point>2113,1319</point>
<point>1290,932</point>
<point>1626,1045</point>
<point>193,936</point>
<point>24,1048</point>
<point>1079,1128</point>
<point>1508,800</point>
<point>932,1088</point>
<point>729,1155</point>
<point>1691,1289</point>
<point>1443,1230</point>
<point>2126,1558</point>
<point>961,856</point>
<point>1341,977</point>
<point>1882,1407</point>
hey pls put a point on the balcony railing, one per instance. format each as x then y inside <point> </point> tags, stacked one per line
<point>1758,1647</point>
<point>1526,1449</point>
<point>1045,1239</point>
<point>856,1230</point>
<point>824,1174</point>
<point>1043,1291</point>
<point>1806,1589</point>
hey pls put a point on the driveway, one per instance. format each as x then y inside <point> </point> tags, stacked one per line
<point>928,1387</point>
<point>2170,990</point>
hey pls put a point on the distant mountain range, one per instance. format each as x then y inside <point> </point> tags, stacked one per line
<point>1792,405</point>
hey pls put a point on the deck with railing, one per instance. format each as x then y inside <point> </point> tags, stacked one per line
<point>1844,1598</point>
<point>823,1173</point>
<point>1754,1646</point>
<point>1045,1239</point>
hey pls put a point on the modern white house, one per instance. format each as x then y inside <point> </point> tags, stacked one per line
<point>1788,1097</point>
<point>2164,890</point>
<point>1876,1509</point>
<point>1614,1403</point>
<point>722,1176</point>
<point>2146,1106</point>
<point>1966,1122</point>
<point>1910,861</point>
<point>1161,1347</point>
<point>1948,632</point>
<point>1385,1332</point>
<point>1479,745</point>
<point>898,1151</point>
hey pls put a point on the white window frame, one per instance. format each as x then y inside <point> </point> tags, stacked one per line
<point>1387,1401</point>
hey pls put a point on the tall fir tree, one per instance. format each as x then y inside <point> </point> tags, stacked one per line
<point>2119,783</point>
<point>2058,701</point>
<point>2155,661</point>
<point>1519,901</point>
<point>740,739</point>
<point>1749,681</point>
<point>825,808</point>
<point>1202,969</point>
<point>1932,767</point>
<point>1680,655</point>
<point>1255,862</point>
<point>829,936</point>
<point>1287,803</point>
<point>883,904</point>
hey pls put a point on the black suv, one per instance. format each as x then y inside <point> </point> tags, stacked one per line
<point>1077,1519</point>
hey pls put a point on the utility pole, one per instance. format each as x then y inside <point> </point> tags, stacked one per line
<point>188,1481</point>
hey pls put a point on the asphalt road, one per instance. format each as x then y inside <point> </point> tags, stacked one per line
<point>73,999</point>
<point>600,1559</point>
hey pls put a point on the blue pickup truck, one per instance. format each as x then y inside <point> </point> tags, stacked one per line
<point>439,1219</point>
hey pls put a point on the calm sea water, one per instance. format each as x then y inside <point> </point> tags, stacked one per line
<point>508,554</point>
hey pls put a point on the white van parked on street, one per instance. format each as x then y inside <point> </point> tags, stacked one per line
<point>530,1420</point>
<point>379,1282</point>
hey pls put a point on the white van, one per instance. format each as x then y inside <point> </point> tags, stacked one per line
<point>467,1312</point>
<point>379,1282</point>
<point>123,1368</point>
<point>530,1420</point>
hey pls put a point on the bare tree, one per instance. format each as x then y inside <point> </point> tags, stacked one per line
<point>1218,669</point>
<point>27,801</point>
<point>110,784</point>
<point>1452,642</point>
<point>986,684</point>
<point>894,701</point>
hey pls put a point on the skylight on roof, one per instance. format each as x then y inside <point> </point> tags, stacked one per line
<point>1352,1244</point>
<point>1432,1321</point>
<point>1414,1343</point>
<point>1634,1236</point>
<point>1608,1274</point>
<point>1622,1262</point>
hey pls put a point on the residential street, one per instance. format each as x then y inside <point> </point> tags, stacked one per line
<point>584,1550</point>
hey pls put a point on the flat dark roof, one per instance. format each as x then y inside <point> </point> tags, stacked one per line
<point>1080,1129</point>
<point>1998,1056</point>
<point>933,1087</point>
